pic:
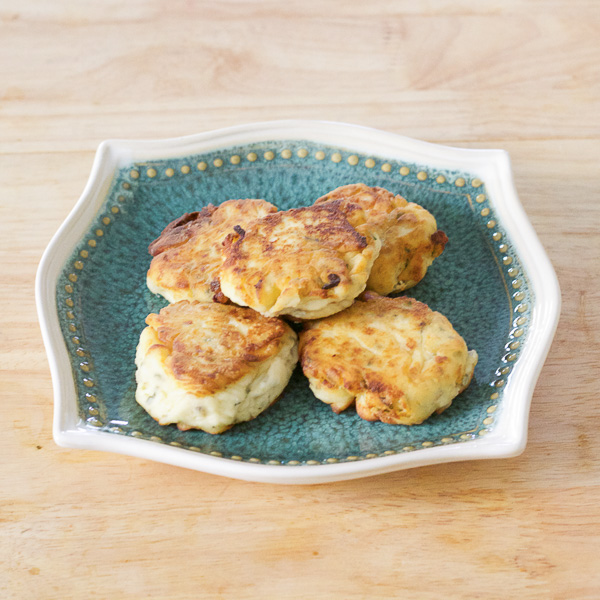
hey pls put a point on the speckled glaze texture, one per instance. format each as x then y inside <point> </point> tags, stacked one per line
<point>102,299</point>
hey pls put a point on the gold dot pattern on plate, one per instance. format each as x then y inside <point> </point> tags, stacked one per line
<point>353,160</point>
<point>217,454</point>
<point>70,315</point>
<point>114,210</point>
<point>311,462</point>
<point>293,463</point>
<point>72,328</point>
<point>495,396</point>
<point>69,289</point>
<point>69,302</point>
<point>126,186</point>
<point>72,277</point>
<point>492,409</point>
<point>121,198</point>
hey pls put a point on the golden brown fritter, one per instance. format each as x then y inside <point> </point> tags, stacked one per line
<point>395,357</point>
<point>409,233</point>
<point>209,365</point>
<point>305,262</point>
<point>189,252</point>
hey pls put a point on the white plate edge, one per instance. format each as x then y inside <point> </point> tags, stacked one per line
<point>115,153</point>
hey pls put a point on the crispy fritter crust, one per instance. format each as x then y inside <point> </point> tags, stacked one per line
<point>395,357</point>
<point>189,252</point>
<point>410,237</point>
<point>305,262</point>
<point>208,346</point>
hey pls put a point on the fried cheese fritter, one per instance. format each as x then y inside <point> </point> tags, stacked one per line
<point>397,359</point>
<point>208,365</point>
<point>188,254</point>
<point>306,262</point>
<point>410,237</point>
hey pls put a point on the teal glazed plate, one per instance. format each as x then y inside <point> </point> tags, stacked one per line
<point>494,282</point>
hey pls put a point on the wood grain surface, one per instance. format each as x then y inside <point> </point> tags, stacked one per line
<point>519,75</point>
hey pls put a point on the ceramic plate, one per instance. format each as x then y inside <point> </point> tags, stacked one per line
<point>494,282</point>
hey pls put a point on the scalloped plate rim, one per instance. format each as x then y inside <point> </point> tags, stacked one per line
<point>509,436</point>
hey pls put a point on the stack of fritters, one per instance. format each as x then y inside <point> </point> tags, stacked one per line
<point>210,363</point>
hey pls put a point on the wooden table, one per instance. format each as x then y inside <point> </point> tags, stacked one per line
<point>523,76</point>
